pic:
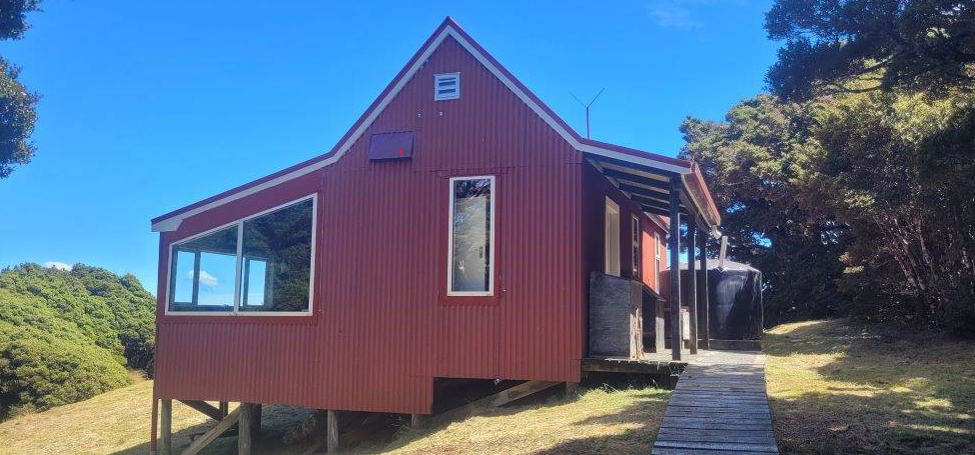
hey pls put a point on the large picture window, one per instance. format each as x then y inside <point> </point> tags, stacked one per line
<point>471,257</point>
<point>261,264</point>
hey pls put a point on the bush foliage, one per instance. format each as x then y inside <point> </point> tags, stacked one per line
<point>859,204</point>
<point>69,335</point>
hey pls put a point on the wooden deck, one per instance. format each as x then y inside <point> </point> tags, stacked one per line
<point>719,408</point>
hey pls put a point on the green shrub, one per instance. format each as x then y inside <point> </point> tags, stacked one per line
<point>69,335</point>
<point>39,370</point>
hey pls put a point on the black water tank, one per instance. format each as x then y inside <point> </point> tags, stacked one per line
<point>734,298</point>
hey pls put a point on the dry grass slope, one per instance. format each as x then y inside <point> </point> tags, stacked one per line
<point>595,421</point>
<point>841,387</point>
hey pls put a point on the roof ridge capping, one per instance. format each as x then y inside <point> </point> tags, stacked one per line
<point>448,28</point>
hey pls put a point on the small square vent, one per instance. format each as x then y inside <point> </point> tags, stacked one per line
<point>446,86</point>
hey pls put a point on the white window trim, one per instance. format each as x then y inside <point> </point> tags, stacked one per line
<point>237,279</point>
<point>450,238</point>
<point>656,258</point>
<point>436,86</point>
<point>608,267</point>
<point>636,235</point>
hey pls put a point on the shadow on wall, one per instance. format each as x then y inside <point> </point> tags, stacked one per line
<point>841,387</point>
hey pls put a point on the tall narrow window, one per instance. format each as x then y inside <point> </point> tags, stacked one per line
<point>656,257</point>
<point>612,238</point>
<point>257,265</point>
<point>471,268</point>
<point>635,244</point>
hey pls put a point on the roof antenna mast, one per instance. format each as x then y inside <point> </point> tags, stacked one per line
<point>587,107</point>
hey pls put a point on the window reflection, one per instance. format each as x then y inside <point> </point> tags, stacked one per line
<point>277,259</point>
<point>204,272</point>
<point>471,236</point>
<point>272,272</point>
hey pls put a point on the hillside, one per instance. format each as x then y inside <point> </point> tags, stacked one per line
<point>67,335</point>
<point>596,421</point>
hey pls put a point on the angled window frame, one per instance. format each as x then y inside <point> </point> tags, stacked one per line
<point>239,225</point>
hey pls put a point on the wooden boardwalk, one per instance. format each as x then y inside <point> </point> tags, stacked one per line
<point>719,408</point>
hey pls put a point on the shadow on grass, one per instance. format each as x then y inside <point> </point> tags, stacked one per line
<point>629,430</point>
<point>885,391</point>
<point>276,421</point>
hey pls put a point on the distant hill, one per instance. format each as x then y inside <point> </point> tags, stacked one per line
<point>68,335</point>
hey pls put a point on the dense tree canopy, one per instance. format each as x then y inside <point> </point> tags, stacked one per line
<point>17,104</point>
<point>13,17</point>
<point>751,161</point>
<point>17,117</point>
<point>856,204</point>
<point>926,45</point>
<point>69,335</point>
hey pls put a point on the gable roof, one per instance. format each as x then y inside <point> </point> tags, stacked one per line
<point>690,174</point>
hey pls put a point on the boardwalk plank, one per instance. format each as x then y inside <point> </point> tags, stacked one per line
<point>763,448</point>
<point>716,425</point>
<point>719,407</point>
<point>674,451</point>
<point>665,433</point>
<point>730,437</point>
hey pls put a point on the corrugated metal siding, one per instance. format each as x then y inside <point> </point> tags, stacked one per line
<point>382,327</point>
<point>596,189</point>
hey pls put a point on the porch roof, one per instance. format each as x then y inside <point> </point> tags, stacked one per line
<point>650,188</point>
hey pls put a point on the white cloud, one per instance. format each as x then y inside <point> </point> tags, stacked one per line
<point>206,279</point>
<point>57,265</point>
<point>683,14</point>
<point>673,15</point>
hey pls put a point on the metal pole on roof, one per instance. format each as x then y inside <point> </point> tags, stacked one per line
<point>587,106</point>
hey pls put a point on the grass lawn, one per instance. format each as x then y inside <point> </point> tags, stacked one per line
<point>841,387</point>
<point>597,421</point>
<point>117,422</point>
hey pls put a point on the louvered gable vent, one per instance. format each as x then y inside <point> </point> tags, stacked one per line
<point>446,86</point>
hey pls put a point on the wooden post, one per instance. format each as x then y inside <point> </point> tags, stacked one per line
<point>705,314</point>
<point>692,280</point>
<point>154,426</point>
<point>332,432</point>
<point>245,429</point>
<point>205,408</point>
<point>212,434</point>
<point>166,427</point>
<point>257,412</point>
<point>674,246</point>
<point>418,420</point>
<point>571,389</point>
<point>224,409</point>
<point>658,327</point>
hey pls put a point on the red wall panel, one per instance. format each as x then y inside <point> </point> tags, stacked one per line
<point>382,327</point>
<point>596,188</point>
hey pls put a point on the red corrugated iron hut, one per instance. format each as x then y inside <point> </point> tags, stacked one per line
<point>453,232</point>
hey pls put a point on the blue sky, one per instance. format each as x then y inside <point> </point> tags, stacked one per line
<point>150,106</point>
